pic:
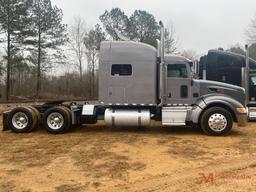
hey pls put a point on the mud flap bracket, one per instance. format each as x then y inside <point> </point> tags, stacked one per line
<point>5,121</point>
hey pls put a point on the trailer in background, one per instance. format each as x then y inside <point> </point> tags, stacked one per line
<point>228,67</point>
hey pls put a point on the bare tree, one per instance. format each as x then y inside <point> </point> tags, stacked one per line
<point>237,48</point>
<point>170,39</point>
<point>251,31</point>
<point>77,34</point>
<point>190,54</point>
<point>92,42</point>
<point>2,66</point>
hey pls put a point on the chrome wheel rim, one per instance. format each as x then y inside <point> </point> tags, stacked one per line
<point>217,122</point>
<point>55,121</point>
<point>20,120</point>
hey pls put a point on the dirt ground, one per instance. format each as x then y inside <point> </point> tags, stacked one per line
<point>96,158</point>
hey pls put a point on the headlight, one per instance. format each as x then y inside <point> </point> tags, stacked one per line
<point>241,110</point>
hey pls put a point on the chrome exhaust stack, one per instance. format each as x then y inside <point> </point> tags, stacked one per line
<point>163,67</point>
<point>158,48</point>
<point>246,74</point>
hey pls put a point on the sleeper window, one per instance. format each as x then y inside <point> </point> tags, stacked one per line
<point>121,70</point>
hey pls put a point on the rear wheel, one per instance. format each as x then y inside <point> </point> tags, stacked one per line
<point>216,121</point>
<point>22,120</point>
<point>57,120</point>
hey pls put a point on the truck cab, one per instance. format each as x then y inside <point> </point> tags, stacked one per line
<point>180,87</point>
<point>134,79</point>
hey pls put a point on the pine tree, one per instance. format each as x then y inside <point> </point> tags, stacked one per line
<point>49,34</point>
<point>115,19</point>
<point>13,23</point>
<point>143,27</point>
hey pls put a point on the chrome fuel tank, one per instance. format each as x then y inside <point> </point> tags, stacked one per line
<point>121,117</point>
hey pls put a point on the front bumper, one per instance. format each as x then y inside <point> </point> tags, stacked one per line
<point>252,113</point>
<point>242,119</point>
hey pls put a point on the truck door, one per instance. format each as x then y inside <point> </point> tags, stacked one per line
<point>178,84</point>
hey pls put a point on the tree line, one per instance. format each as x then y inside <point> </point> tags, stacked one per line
<point>36,45</point>
<point>36,41</point>
<point>32,34</point>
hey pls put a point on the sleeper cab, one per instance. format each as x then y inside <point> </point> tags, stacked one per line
<point>127,73</point>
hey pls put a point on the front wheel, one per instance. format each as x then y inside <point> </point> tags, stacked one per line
<point>216,121</point>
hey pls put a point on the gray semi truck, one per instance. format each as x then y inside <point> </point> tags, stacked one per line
<point>139,84</point>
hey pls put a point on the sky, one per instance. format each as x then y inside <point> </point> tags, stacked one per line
<point>199,25</point>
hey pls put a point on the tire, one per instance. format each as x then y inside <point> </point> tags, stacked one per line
<point>63,120</point>
<point>69,115</point>
<point>36,112</point>
<point>22,120</point>
<point>216,121</point>
<point>37,116</point>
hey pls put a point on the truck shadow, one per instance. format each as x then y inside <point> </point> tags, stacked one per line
<point>180,130</point>
<point>151,130</point>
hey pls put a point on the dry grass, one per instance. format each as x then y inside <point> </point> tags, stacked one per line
<point>96,158</point>
<point>70,188</point>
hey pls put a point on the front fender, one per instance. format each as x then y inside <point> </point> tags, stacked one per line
<point>222,99</point>
<point>211,100</point>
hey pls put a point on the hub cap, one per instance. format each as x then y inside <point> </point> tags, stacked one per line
<point>217,122</point>
<point>55,121</point>
<point>20,120</point>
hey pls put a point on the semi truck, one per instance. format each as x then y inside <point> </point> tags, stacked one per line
<point>228,67</point>
<point>139,84</point>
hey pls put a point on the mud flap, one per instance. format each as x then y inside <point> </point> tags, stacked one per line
<point>5,121</point>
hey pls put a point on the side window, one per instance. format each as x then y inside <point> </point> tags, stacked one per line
<point>177,70</point>
<point>184,91</point>
<point>251,62</point>
<point>121,70</point>
<point>253,80</point>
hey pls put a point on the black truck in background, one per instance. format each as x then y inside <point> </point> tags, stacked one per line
<point>228,67</point>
